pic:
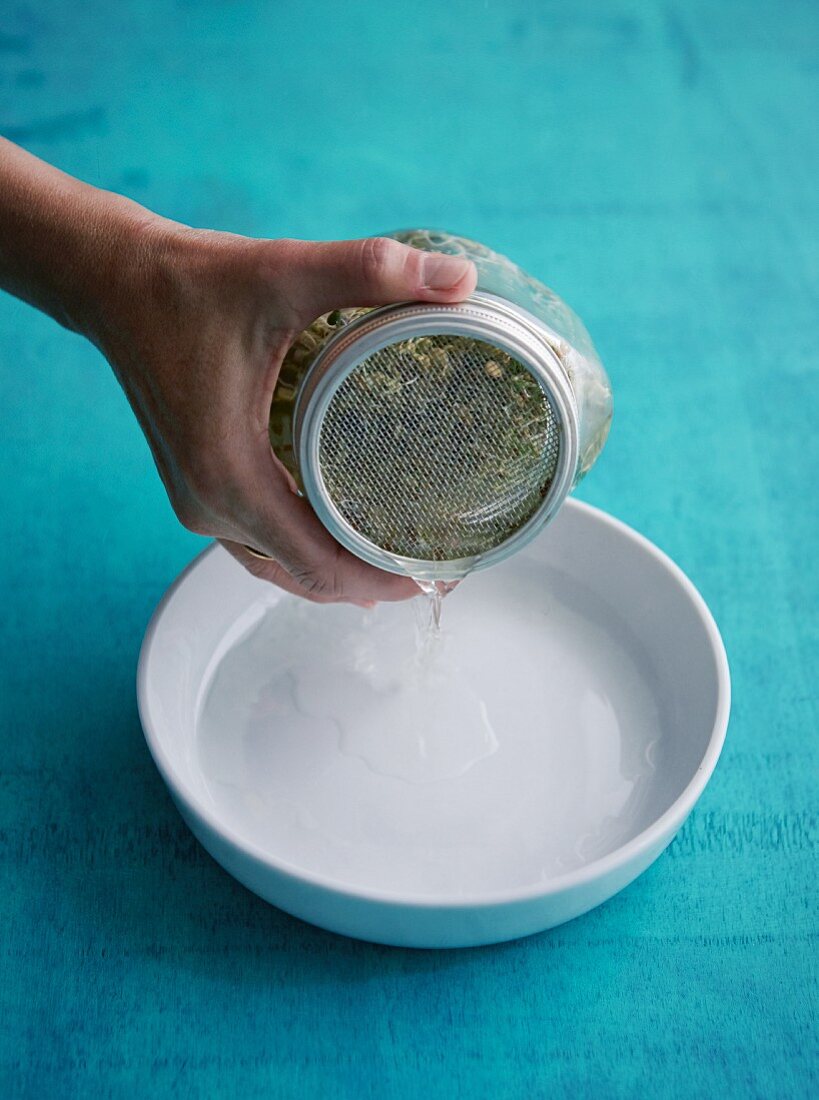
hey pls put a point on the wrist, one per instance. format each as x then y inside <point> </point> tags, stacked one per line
<point>118,244</point>
<point>64,245</point>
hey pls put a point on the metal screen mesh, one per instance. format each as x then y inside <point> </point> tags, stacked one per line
<point>438,447</point>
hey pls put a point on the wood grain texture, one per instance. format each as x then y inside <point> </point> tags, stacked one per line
<point>657,164</point>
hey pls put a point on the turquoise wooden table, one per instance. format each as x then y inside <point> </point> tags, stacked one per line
<point>657,164</point>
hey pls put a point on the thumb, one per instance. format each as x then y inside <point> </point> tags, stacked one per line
<point>375,271</point>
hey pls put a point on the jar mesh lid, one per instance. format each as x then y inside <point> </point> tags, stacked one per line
<point>439,447</point>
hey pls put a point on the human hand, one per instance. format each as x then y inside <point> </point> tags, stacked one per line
<point>196,325</point>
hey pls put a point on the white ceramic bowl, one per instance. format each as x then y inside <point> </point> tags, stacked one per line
<point>583,710</point>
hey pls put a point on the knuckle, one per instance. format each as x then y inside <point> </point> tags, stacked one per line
<point>413,265</point>
<point>205,487</point>
<point>316,582</point>
<point>189,514</point>
<point>311,582</point>
<point>377,256</point>
<point>211,476</point>
<point>204,480</point>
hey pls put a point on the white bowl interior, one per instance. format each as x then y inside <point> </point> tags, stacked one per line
<point>582,689</point>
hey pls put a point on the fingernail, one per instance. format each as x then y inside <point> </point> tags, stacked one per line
<point>366,604</point>
<point>443,272</point>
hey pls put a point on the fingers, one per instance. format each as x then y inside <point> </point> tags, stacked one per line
<point>254,505</point>
<point>269,570</point>
<point>375,271</point>
<point>308,561</point>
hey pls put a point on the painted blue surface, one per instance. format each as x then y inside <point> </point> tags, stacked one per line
<point>657,164</point>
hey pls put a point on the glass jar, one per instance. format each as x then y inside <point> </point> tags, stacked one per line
<point>513,328</point>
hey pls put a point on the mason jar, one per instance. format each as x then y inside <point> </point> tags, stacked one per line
<point>437,439</point>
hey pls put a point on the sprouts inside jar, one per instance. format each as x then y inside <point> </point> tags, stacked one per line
<point>438,448</point>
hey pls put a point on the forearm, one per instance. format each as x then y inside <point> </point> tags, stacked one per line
<point>63,242</point>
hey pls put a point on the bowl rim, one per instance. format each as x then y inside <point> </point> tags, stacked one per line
<point>659,832</point>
